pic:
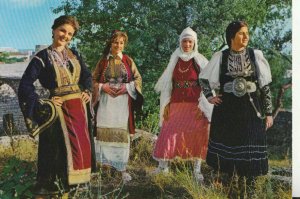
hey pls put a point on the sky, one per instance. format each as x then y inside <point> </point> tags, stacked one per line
<point>26,23</point>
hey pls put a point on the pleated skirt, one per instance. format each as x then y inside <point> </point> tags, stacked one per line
<point>237,140</point>
<point>183,135</point>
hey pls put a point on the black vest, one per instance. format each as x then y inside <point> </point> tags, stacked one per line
<point>227,78</point>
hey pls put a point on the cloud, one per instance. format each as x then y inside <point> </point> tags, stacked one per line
<point>26,3</point>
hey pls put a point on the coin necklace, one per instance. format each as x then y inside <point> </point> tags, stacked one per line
<point>184,70</point>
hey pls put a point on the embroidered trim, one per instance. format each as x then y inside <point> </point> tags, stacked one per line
<point>62,58</point>
<point>40,60</point>
<point>49,114</point>
<point>239,64</point>
<point>60,71</point>
<point>185,84</point>
<point>204,83</point>
<point>237,159</point>
<point>237,147</point>
<point>239,153</point>
<point>74,176</point>
<point>239,87</point>
<point>115,72</point>
<point>112,135</point>
<point>79,176</point>
<point>267,100</point>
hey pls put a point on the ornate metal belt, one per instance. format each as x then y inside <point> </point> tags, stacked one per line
<point>185,84</point>
<point>239,87</point>
<point>65,90</point>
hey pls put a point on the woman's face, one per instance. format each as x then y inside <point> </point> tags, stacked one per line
<point>117,45</point>
<point>241,39</point>
<point>62,35</point>
<point>187,45</point>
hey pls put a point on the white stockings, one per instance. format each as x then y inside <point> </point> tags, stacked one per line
<point>197,171</point>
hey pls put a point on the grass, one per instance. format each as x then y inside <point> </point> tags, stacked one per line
<point>281,163</point>
<point>107,183</point>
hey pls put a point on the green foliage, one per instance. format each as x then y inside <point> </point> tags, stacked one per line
<point>154,27</point>
<point>141,152</point>
<point>278,68</point>
<point>16,179</point>
<point>219,185</point>
<point>17,176</point>
<point>268,188</point>
<point>4,57</point>
<point>185,178</point>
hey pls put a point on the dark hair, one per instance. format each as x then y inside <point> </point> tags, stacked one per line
<point>115,34</point>
<point>65,19</point>
<point>232,29</point>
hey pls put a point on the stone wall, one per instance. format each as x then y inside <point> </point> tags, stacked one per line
<point>279,137</point>
<point>9,104</point>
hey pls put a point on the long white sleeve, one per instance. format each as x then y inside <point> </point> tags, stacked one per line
<point>211,72</point>
<point>263,69</point>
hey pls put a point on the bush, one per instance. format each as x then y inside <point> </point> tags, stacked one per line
<point>16,179</point>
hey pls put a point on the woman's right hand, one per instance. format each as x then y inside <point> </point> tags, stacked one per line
<point>107,89</point>
<point>216,100</point>
<point>57,100</point>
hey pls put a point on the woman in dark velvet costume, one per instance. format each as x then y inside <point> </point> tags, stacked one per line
<point>243,107</point>
<point>66,150</point>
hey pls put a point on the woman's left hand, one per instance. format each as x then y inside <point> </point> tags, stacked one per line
<point>85,97</point>
<point>131,137</point>
<point>122,90</point>
<point>198,114</point>
<point>269,122</point>
<point>216,100</point>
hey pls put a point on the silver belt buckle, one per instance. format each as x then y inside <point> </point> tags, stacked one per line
<point>239,86</point>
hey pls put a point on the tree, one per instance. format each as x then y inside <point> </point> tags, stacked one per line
<point>4,56</point>
<point>154,26</point>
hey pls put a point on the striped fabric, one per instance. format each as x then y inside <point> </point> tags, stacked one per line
<point>237,138</point>
<point>182,135</point>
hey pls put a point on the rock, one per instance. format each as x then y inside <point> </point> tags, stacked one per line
<point>21,146</point>
<point>139,133</point>
<point>279,137</point>
<point>280,175</point>
<point>282,180</point>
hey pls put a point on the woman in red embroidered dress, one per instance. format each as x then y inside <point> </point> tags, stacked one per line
<point>117,84</point>
<point>184,111</point>
<point>65,149</point>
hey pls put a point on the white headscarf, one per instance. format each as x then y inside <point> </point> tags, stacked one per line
<point>164,84</point>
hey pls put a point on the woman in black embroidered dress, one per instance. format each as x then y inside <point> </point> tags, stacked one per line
<point>237,143</point>
<point>65,147</point>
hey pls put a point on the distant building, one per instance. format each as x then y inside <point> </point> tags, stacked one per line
<point>16,54</point>
<point>8,49</point>
<point>40,47</point>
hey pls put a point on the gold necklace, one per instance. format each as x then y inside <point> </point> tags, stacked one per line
<point>185,69</point>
